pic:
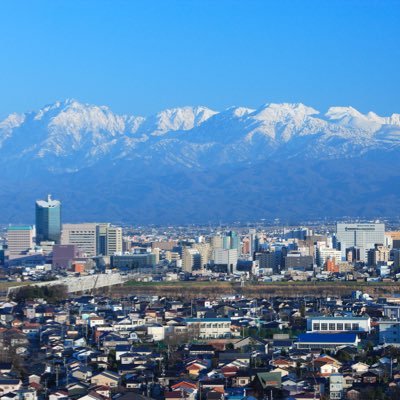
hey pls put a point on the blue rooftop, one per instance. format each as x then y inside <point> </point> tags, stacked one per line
<point>327,338</point>
<point>207,320</point>
<point>19,228</point>
<point>339,318</point>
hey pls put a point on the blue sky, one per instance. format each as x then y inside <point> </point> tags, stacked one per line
<point>143,56</point>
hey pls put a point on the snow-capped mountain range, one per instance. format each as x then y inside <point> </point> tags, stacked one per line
<point>70,135</point>
<point>194,164</point>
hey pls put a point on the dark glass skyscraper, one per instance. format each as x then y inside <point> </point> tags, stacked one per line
<point>48,220</point>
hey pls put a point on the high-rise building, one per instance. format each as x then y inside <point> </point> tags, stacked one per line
<point>294,260</point>
<point>231,241</point>
<point>84,236</point>
<point>228,257</point>
<point>362,236</point>
<point>205,252</point>
<point>396,259</point>
<point>101,233</point>
<point>113,240</point>
<point>253,245</point>
<point>19,240</point>
<point>324,253</point>
<point>93,239</point>
<point>267,260</point>
<point>48,220</point>
<point>109,239</point>
<point>191,259</point>
<point>217,242</point>
<point>380,254</point>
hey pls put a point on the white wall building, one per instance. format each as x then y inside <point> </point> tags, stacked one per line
<point>339,324</point>
<point>362,236</point>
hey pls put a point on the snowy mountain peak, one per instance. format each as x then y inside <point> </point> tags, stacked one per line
<point>238,111</point>
<point>176,119</point>
<point>280,112</point>
<point>69,135</point>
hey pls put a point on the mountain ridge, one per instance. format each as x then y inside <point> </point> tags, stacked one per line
<point>93,133</point>
<point>173,163</point>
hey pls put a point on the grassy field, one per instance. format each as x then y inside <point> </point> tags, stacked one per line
<point>265,289</point>
<point>6,285</point>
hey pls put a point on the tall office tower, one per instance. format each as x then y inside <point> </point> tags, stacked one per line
<point>217,242</point>
<point>48,220</point>
<point>253,242</point>
<point>396,259</point>
<point>228,257</point>
<point>101,237</point>
<point>205,252</point>
<point>156,252</point>
<point>380,254</point>
<point>19,240</point>
<point>191,259</point>
<point>232,241</point>
<point>113,240</point>
<point>362,236</point>
<point>84,236</point>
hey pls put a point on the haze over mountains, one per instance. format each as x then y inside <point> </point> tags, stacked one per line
<point>194,164</point>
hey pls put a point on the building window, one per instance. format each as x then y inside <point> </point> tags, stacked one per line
<point>331,327</point>
<point>339,326</point>
<point>315,326</point>
<point>347,327</point>
<point>324,327</point>
<point>356,327</point>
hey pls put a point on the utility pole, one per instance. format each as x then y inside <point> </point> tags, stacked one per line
<point>57,373</point>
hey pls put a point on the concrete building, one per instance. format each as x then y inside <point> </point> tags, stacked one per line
<point>48,220</point>
<point>113,240</point>
<point>380,254</point>
<point>362,236</point>
<point>299,233</point>
<point>392,239</point>
<point>83,236</point>
<point>108,239</point>
<point>396,258</point>
<point>336,387</point>
<point>339,324</point>
<point>93,239</point>
<point>191,259</point>
<point>64,254</point>
<point>267,260</point>
<point>323,253</point>
<point>132,262</point>
<point>391,311</point>
<point>295,260</point>
<point>228,257</point>
<point>389,332</point>
<point>209,328</point>
<point>205,253</point>
<point>19,240</point>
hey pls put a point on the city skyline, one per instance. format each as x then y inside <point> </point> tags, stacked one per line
<point>199,200</point>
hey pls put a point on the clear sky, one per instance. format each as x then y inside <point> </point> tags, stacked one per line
<point>143,56</point>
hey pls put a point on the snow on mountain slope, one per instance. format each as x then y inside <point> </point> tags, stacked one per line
<point>68,135</point>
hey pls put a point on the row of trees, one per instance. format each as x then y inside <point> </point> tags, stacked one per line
<point>50,293</point>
